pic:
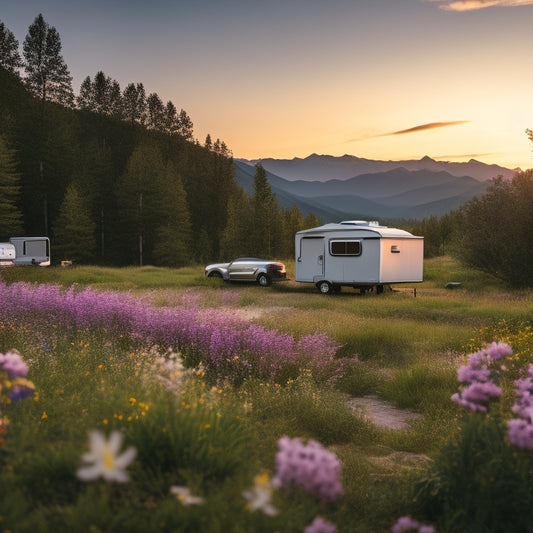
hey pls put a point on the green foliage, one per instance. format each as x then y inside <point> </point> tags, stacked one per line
<point>236,236</point>
<point>479,482</point>
<point>47,75</point>
<point>9,54</point>
<point>494,236</point>
<point>172,240</point>
<point>292,222</point>
<point>94,148</point>
<point>266,228</point>
<point>299,409</point>
<point>421,387</point>
<point>11,218</point>
<point>216,440</point>
<point>74,229</point>
<point>438,233</point>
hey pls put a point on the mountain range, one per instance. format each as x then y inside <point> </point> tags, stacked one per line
<point>348,187</point>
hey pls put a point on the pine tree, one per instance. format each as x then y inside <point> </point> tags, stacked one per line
<point>173,237</point>
<point>141,193</point>
<point>134,103</point>
<point>47,75</point>
<point>74,229</point>
<point>170,118</point>
<point>311,221</point>
<point>156,112</point>
<point>184,125</point>
<point>235,239</point>
<point>267,220</point>
<point>292,222</point>
<point>11,218</point>
<point>85,99</point>
<point>101,95</point>
<point>9,54</point>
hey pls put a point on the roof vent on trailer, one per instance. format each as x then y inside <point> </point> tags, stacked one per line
<point>372,223</point>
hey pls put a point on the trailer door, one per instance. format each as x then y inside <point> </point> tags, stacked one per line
<point>310,262</point>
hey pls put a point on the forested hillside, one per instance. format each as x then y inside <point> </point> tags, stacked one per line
<point>116,177</point>
<point>132,182</point>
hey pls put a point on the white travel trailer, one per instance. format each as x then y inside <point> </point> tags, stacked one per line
<point>359,254</point>
<point>7,253</point>
<point>31,250</point>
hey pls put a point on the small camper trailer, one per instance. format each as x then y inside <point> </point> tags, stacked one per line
<point>7,253</point>
<point>31,250</point>
<point>359,254</point>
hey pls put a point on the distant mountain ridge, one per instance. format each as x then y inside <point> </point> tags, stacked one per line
<point>326,167</point>
<point>336,188</point>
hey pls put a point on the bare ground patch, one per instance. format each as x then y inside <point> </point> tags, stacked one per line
<point>382,413</point>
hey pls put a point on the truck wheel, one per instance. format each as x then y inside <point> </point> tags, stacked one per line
<point>324,287</point>
<point>263,280</point>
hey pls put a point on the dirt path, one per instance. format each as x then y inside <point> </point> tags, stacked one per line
<point>382,413</point>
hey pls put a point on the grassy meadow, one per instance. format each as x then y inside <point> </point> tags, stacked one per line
<point>209,415</point>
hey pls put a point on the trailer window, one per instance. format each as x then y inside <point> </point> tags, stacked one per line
<point>345,247</point>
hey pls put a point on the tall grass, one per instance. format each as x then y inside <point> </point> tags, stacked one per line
<point>195,425</point>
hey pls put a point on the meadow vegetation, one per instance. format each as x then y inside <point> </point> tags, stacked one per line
<point>196,382</point>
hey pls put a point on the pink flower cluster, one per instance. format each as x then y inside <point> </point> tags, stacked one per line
<point>319,525</point>
<point>477,375</point>
<point>406,523</point>
<point>13,364</point>
<point>13,383</point>
<point>225,343</point>
<point>310,467</point>
<point>520,430</point>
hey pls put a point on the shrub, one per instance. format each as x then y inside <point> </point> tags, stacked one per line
<point>481,479</point>
<point>493,236</point>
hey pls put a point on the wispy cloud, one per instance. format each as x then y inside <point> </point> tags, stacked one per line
<point>462,156</point>
<point>414,129</point>
<point>472,5</point>
<point>424,127</point>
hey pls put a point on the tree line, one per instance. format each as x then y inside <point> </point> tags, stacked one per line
<point>116,177</point>
<point>491,233</point>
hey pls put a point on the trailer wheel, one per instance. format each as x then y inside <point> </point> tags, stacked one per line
<point>264,280</point>
<point>324,287</point>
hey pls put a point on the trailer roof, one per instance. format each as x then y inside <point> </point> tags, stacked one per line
<point>359,226</point>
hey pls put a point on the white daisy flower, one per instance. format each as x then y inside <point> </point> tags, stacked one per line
<point>184,495</point>
<point>104,459</point>
<point>260,496</point>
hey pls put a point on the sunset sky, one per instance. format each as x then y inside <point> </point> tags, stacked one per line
<point>380,79</point>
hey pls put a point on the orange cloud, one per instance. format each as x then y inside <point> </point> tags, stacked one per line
<point>414,129</point>
<point>471,5</point>
<point>462,156</point>
<point>423,127</point>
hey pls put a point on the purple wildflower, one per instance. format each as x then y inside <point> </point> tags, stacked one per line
<point>477,374</point>
<point>13,364</point>
<point>498,350</point>
<point>217,336</point>
<point>310,467</point>
<point>21,392</point>
<point>520,432</point>
<point>477,396</point>
<point>406,523</point>
<point>319,525</point>
<point>470,374</point>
